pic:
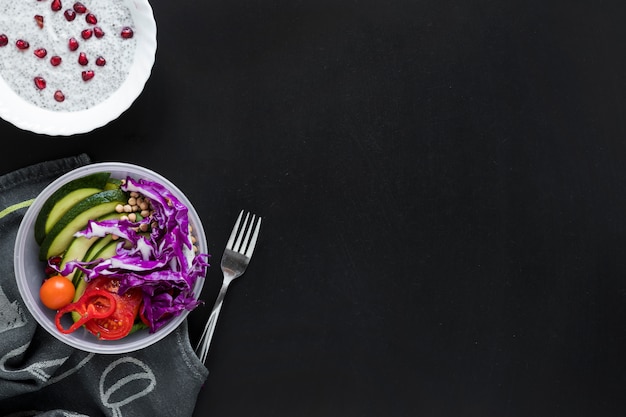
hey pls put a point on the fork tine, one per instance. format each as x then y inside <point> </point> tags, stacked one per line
<point>231,239</point>
<point>246,240</point>
<point>237,247</point>
<point>252,243</point>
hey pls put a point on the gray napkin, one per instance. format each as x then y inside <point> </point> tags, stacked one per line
<point>41,376</point>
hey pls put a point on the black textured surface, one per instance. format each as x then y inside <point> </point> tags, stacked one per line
<point>443,192</point>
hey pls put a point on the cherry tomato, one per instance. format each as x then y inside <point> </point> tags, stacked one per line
<point>120,322</point>
<point>57,292</point>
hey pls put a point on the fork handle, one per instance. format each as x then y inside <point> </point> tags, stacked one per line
<point>202,349</point>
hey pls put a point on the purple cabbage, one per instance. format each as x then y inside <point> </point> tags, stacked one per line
<point>163,264</point>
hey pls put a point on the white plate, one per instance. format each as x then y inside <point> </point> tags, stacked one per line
<point>29,116</point>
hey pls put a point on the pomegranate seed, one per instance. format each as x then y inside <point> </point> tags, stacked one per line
<point>4,41</point>
<point>56,5</point>
<point>56,260</point>
<point>59,96</point>
<point>87,75</point>
<point>100,61</point>
<point>69,15</point>
<point>22,44</point>
<point>79,8</point>
<point>91,19</point>
<point>86,34</point>
<point>98,32</point>
<point>40,83</point>
<point>39,20</point>
<point>55,61</point>
<point>127,33</point>
<point>41,52</point>
<point>72,44</point>
<point>82,59</point>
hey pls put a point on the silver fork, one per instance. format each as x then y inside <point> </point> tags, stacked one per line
<point>234,263</point>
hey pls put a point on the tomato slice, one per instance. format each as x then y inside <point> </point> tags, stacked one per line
<point>120,322</point>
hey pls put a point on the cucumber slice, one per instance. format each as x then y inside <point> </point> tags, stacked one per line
<point>139,325</point>
<point>112,184</point>
<point>91,255</point>
<point>92,207</point>
<point>54,202</point>
<point>81,247</point>
<point>76,250</point>
<point>67,202</point>
<point>93,251</point>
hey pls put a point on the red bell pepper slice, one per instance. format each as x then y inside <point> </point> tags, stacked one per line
<point>93,304</point>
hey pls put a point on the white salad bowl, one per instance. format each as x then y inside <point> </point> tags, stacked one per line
<point>30,271</point>
<point>86,105</point>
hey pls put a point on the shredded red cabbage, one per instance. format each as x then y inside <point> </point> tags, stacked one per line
<point>163,264</point>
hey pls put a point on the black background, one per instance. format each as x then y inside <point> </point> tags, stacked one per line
<point>443,191</point>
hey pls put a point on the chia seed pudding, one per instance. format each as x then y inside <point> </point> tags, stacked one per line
<point>39,61</point>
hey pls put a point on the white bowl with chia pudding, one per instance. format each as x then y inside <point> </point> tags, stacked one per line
<point>69,67</point>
